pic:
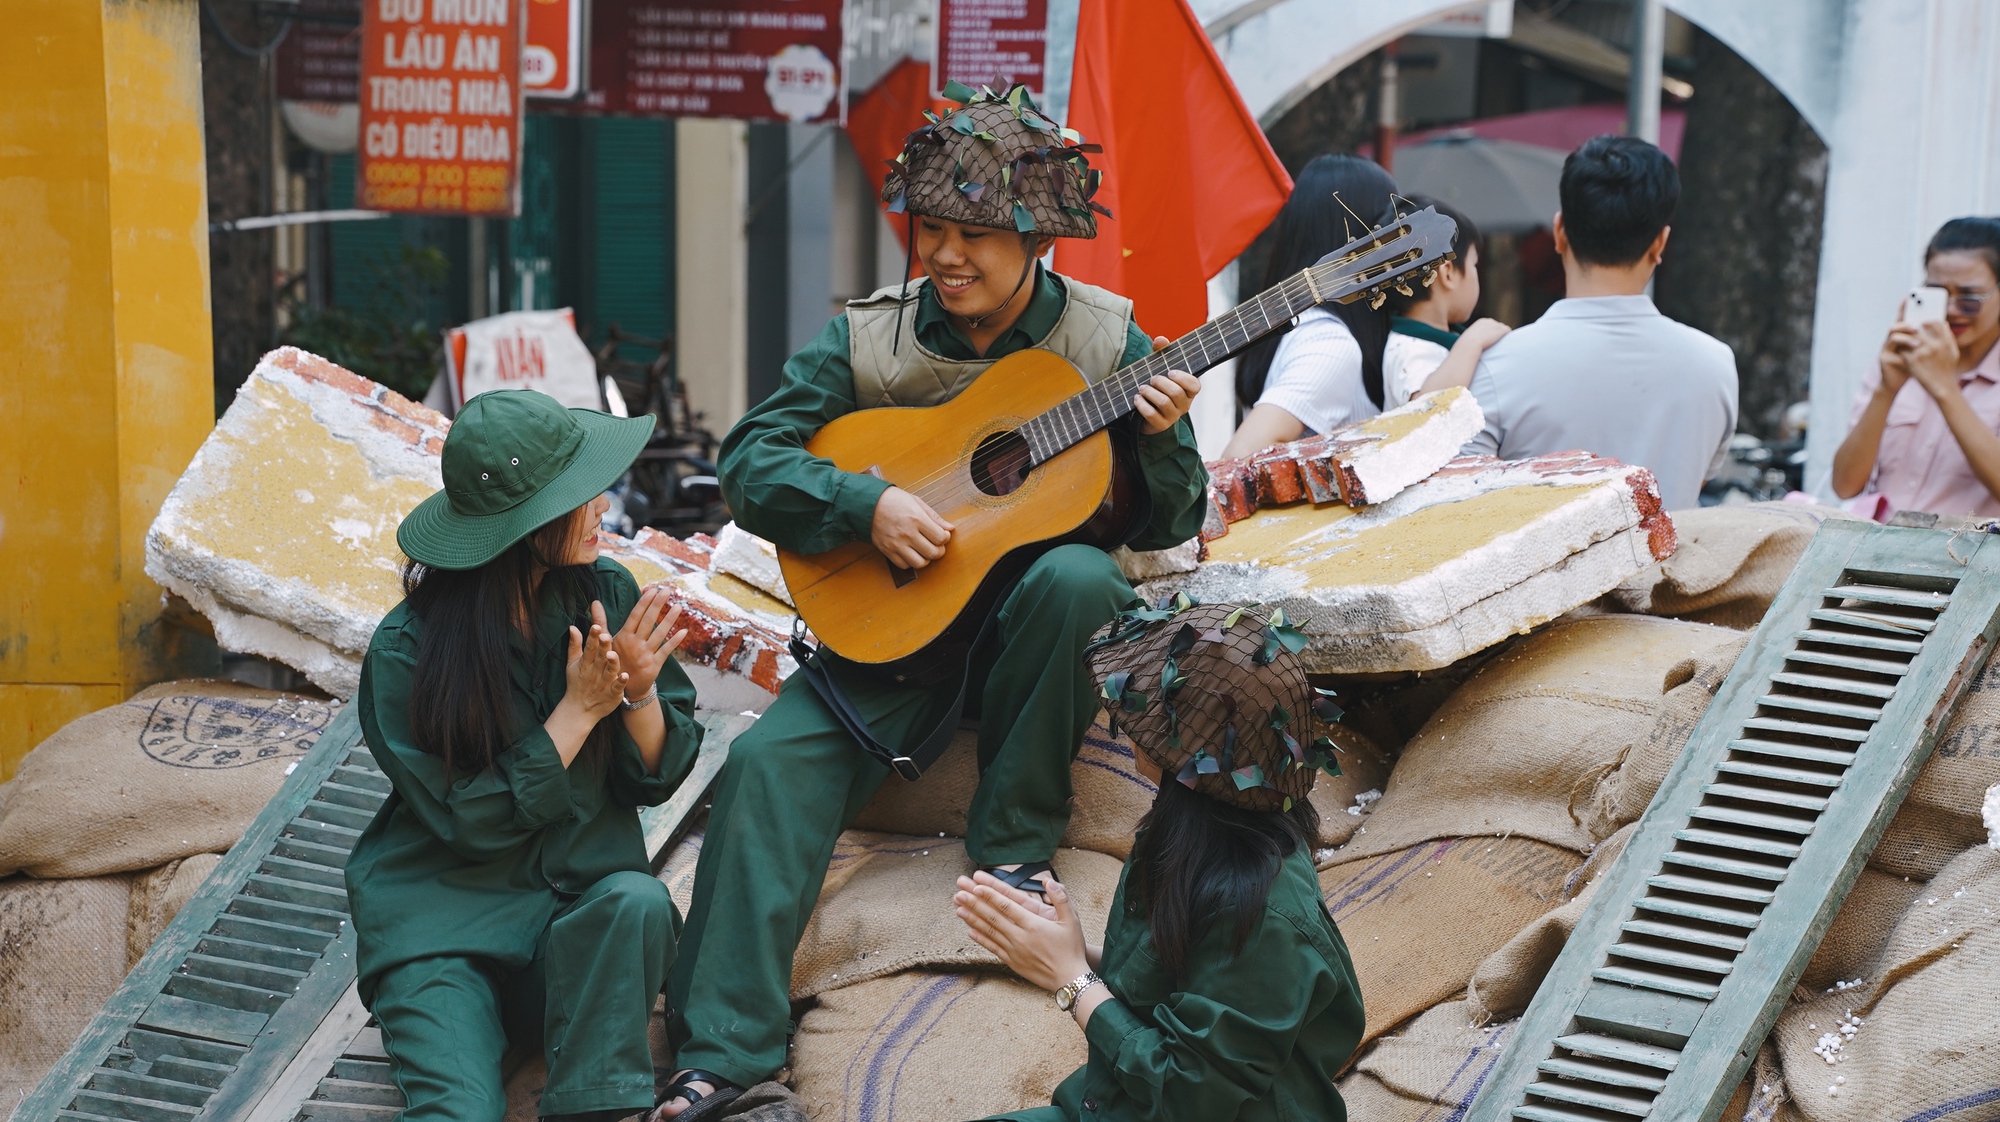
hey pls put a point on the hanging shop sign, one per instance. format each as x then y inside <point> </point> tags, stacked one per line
<point>441,106</point>
<point>522,351</point>
<point>995,43</point>
<point>552,62</point>
<point>320,56</point>
<point>755,60</point>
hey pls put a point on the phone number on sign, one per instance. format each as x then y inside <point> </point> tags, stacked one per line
<point>434,187</point>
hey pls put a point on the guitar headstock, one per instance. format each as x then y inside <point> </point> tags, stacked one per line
<point>1390,257</point>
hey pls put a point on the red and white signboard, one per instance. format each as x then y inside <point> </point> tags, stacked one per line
<point>995,43</point>
<point>552,62</point>
<point>755,60</point>
<point>522,351</point>
<point>441,106</point>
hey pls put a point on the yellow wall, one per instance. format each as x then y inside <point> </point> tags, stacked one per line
<point>105,364</point>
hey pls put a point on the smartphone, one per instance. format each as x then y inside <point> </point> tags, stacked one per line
<point>1925,305</point>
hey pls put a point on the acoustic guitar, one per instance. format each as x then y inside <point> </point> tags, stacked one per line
<point>1020,462</point>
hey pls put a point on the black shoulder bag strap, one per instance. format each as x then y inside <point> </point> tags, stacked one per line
<point>927,751</point>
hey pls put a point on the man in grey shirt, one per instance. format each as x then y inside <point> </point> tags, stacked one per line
<point>1603,370</point>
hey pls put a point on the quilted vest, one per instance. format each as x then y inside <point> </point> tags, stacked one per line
<point>1090,333</point>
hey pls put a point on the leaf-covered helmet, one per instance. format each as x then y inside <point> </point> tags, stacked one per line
<point>997,161</point>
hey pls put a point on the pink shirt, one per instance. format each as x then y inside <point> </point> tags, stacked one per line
<point>1920,466</point>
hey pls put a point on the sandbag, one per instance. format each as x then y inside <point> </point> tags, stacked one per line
<point>1504,984</point>
<point>62,953</point>
<point>158,896</point>
<point>1729,564</point>
<point>1860,930</point>
<point>1622,793</point>
<point>1419,920</point>
<point>1110,794</point>
<point>1506,754</point>
<point>1427,1071</point>
<point>178,770</point>
<point>928,1047</point>
<point>885,907</point>
<point>1940,818</point>
<point>677,869</point>
<point>1920,1037</point>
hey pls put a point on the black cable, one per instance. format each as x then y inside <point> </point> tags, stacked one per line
<point>229,40</point>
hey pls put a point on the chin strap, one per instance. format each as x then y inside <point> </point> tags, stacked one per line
<point>909,260</point>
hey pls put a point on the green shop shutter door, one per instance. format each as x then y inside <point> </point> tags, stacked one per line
<point>632,232</point>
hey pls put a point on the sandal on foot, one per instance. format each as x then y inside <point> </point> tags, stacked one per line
<point>1027,878</point>
<point>699,1106</point>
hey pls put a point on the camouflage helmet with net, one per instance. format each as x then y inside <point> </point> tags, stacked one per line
<point>1215,695</point>
<point>997,161</point>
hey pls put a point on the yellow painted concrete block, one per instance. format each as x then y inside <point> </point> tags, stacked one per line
<point>29,713</point>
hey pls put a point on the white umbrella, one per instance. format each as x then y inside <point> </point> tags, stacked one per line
<point>1504,186</point>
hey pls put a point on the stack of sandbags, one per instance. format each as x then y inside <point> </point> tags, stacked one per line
<point>109,827</point>
<point>1476,837</point>
<point>901,994</point>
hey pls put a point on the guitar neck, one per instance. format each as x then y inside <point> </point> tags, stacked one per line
<point>1195,352</point>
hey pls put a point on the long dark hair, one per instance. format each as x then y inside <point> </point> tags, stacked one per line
<point>1311,225</point>
<point>1196,859</point>
<point>461,706</point>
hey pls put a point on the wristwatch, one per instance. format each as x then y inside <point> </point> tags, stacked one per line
<point>628,704</point>
<point>1066,996</point>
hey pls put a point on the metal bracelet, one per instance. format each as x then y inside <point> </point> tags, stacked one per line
<point>629,705</point>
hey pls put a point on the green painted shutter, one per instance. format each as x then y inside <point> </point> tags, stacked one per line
<point>632,237</point>
<point>1695,939</point>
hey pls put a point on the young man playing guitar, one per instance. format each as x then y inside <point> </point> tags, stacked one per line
<point>989,188</point>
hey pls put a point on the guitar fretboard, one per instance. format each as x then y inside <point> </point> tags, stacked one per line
<point>1200,349</point>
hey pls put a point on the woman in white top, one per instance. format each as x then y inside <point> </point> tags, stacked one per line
<point>1326,370</point>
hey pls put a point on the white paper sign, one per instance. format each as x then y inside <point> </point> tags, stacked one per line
<point>523,351</point>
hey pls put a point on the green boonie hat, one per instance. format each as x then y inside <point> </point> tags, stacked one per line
<point>997,161</point>
<point>514,461</point>
<point>1215,695</point>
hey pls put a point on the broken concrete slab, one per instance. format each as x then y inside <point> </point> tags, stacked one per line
<point>1359,465</point>
<point>282,532</point>
<point>750,559</point>
<point>1481,550</point>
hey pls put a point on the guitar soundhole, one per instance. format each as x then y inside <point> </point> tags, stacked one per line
<point>1001,463</point>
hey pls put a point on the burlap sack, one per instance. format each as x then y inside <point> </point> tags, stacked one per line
<point>1940,818</point>
<point>1418,921</point>
<point>1622,793</point>
<point>1860,930</point>
<point>1927,1043</point>
<point>1506,754</point>
<point>1111,796</point>
<point>677,871</point>
<point>886,907</point>
<point>926,1047</point>
<point>1427,1071</point>
<point>158,896</point>
<point>1729,565</point>
<point>1506,982</point>
<point>179,770</point>
<point>62,952</point>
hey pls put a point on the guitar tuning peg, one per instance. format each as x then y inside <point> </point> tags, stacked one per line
<point>1404,288</point>
<point>1430,275</point>
<point>1379,299</point>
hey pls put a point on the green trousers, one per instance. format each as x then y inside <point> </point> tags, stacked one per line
<point>584,998</point>
<point>795,779</point>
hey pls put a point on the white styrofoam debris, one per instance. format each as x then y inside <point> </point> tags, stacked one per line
<point>1145,565</point>
<point>750,559</point>
<point>1990,812</point>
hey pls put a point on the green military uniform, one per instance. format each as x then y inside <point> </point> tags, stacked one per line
<point>1250,1035</point>
<point>796,778</point>
<point>514,905</point>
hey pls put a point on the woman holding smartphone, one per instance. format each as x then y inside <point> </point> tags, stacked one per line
<point>1925,432</point>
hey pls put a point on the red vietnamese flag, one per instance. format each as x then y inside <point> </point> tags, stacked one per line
<point>879,121</point>
<point>1188,175</point>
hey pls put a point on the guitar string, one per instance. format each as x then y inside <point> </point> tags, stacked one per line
<point>1123,385</point>
<point>1294,290</point>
